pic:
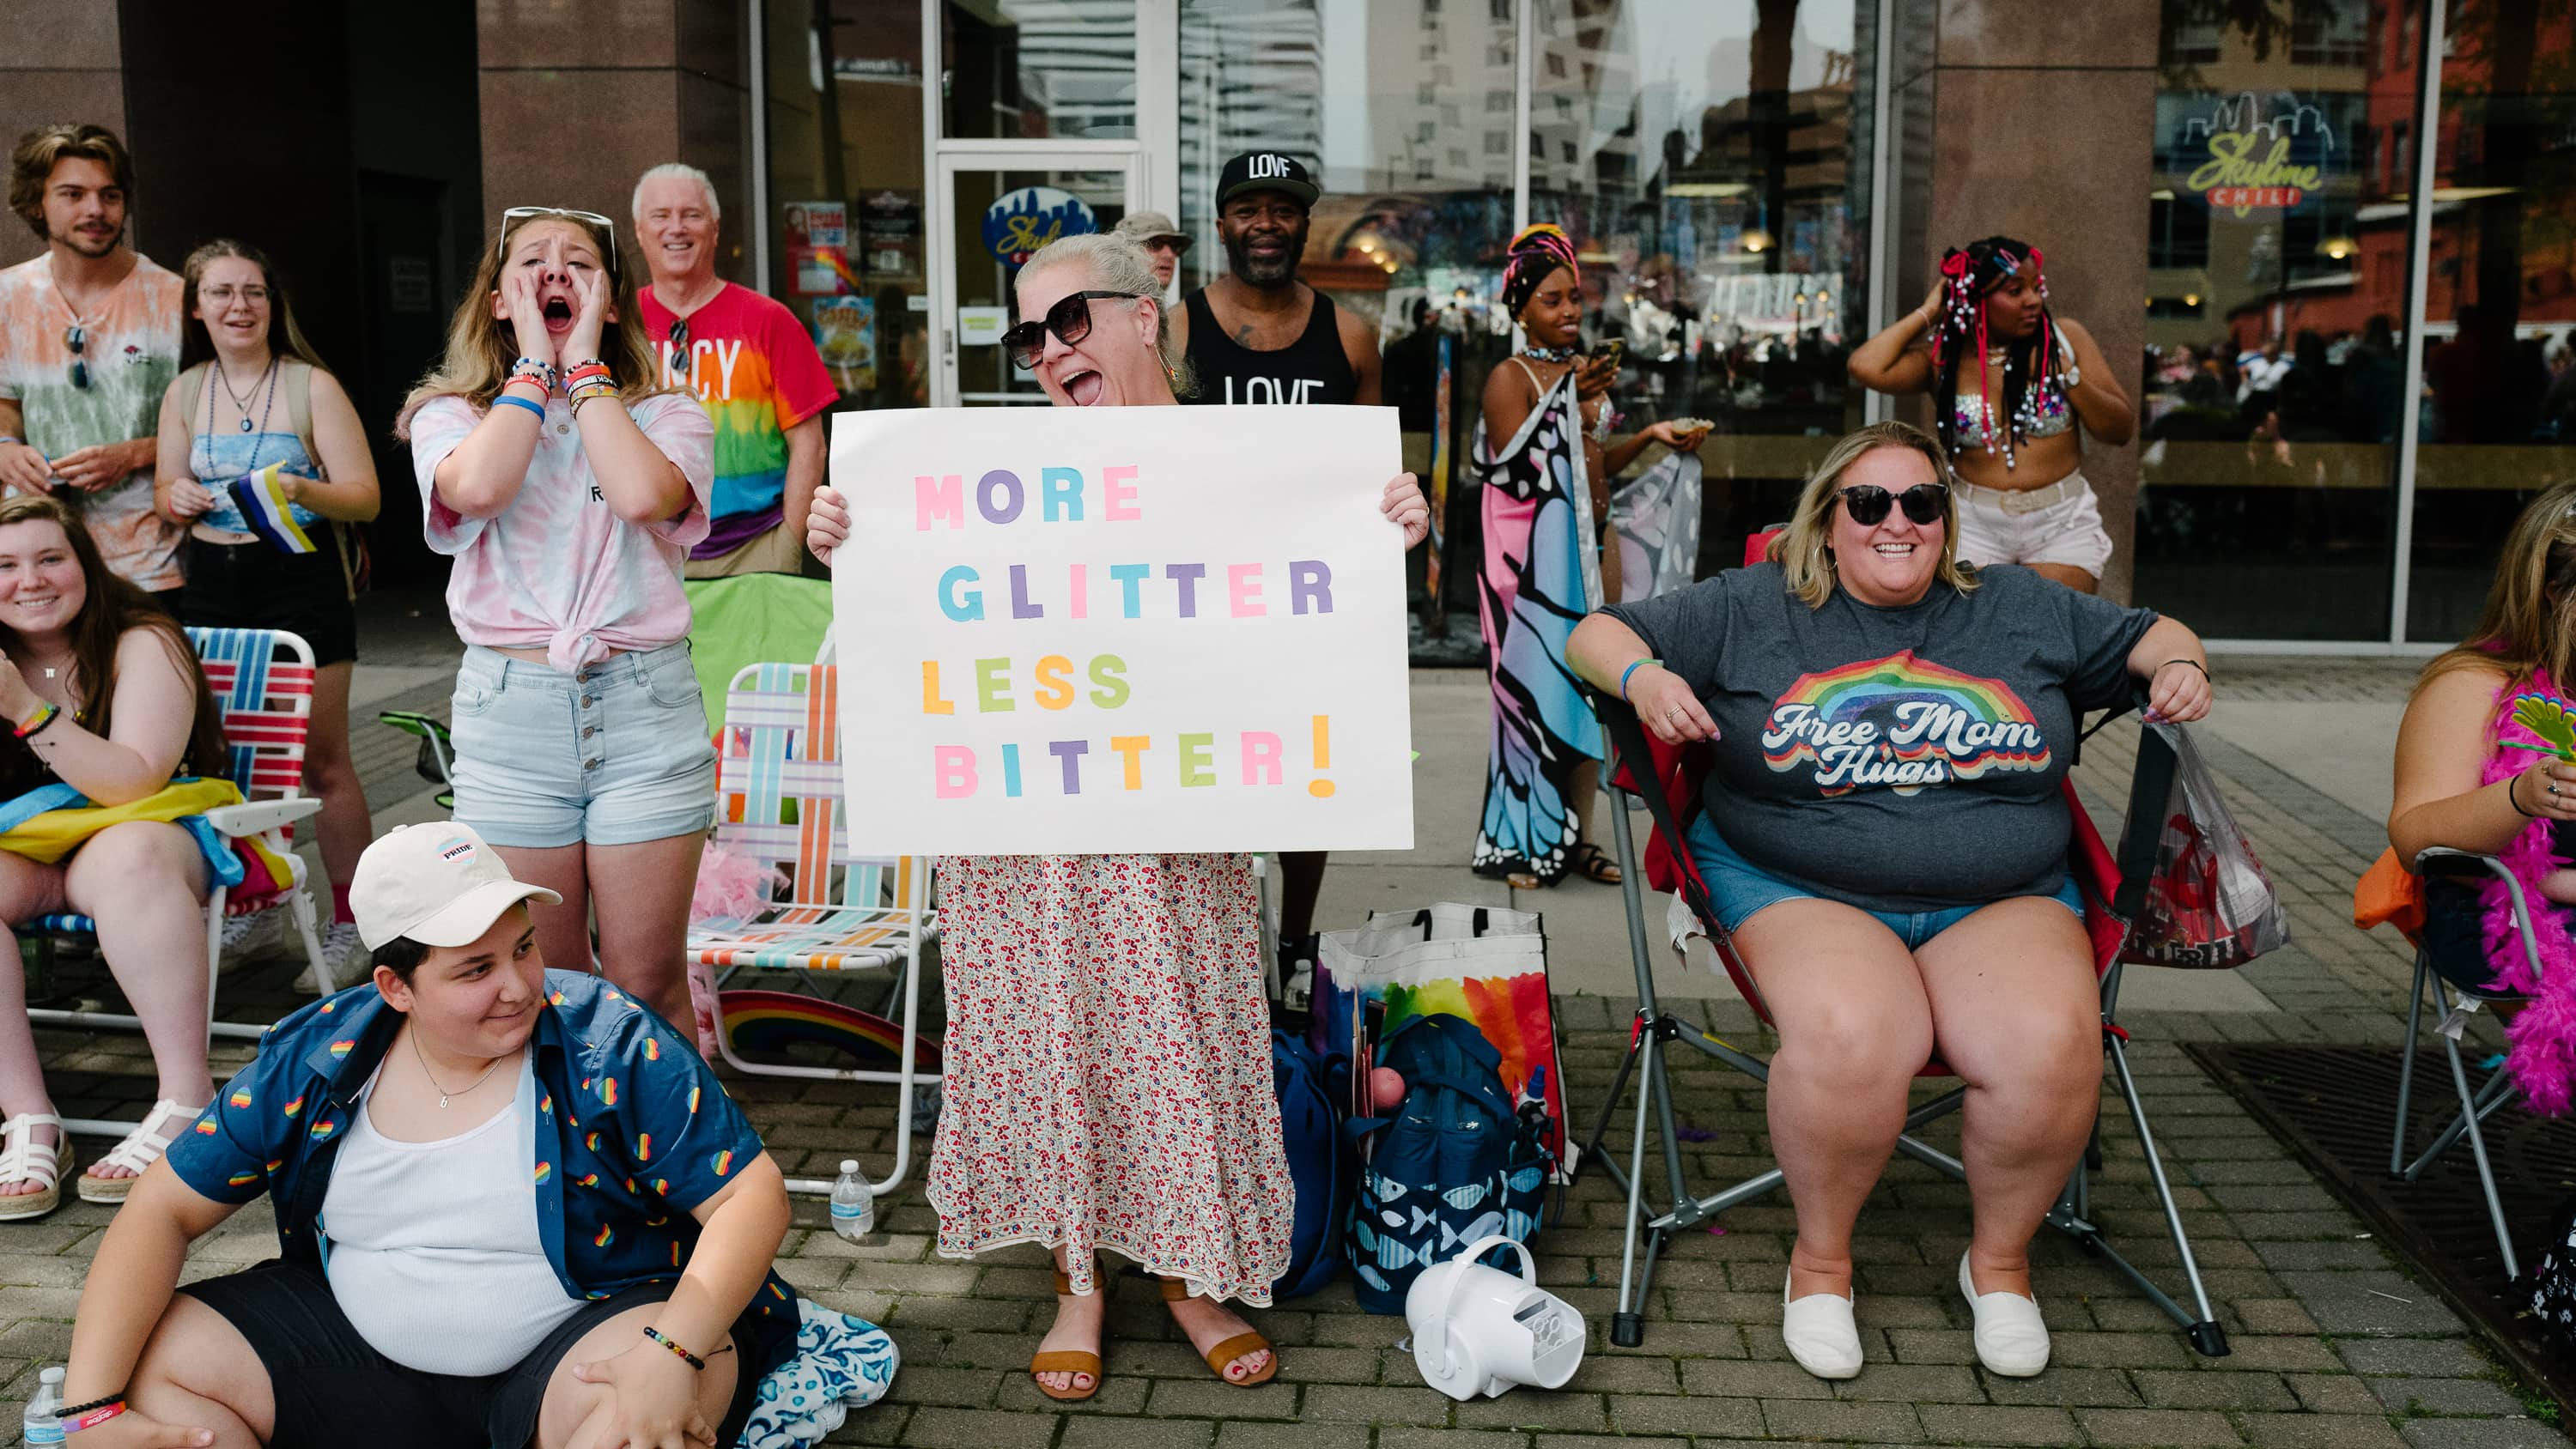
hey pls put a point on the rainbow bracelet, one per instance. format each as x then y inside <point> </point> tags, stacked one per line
<point>1631,669</point>
<point>35,722</point>
<point>93,1418</point>
<point>689,1358</point>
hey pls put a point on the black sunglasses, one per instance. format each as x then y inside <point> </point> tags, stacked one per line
<point>1069,320</point>
<point>1867,503</point>
<point>679,333</point>
<point>75,339</point>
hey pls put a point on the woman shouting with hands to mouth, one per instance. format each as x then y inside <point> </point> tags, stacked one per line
<point>568,486</point>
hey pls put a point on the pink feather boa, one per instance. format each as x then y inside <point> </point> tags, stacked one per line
<point>2541,1038</point>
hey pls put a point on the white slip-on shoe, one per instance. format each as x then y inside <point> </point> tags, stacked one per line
<point>2011,1340</point>
<point>1820,1333</point>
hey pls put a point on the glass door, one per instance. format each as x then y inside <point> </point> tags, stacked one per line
<point>1002,205</point>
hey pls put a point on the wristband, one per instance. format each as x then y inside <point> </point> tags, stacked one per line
<point>1631,669</point>
<point>2512,783</point>
<point>74,1410</point>
<point>2168,664</point>
<point>89,1418</point>
<point>45,714</point>
<point>520,402</point>
<point>7,438</point>
<point>543,374</point>
<point>691,1359</point>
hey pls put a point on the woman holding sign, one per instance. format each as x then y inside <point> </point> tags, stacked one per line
<point>264,460</point>
<point>568,486</point>
<point>1108,1060</point>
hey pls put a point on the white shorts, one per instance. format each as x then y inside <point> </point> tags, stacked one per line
<point>2058,524</point>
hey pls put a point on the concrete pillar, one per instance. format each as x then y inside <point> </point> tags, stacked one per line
<point>61,63</point>
<point>2036,119</point>
<point>578,99</point>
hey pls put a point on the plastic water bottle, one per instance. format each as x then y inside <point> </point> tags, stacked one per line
<point>40,1424</point>
<point>854,1207</point>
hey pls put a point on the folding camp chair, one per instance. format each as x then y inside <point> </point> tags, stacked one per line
<point>1637,767</point>
<point>778,797</point>
<point>262,681</point>
<point>2475,1105</point>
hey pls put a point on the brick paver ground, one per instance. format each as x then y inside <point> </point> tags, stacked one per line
<point>2334,1344</point>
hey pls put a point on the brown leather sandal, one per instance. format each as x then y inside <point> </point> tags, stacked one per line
<point>1242,1345</point>
<point>1066,1360</point>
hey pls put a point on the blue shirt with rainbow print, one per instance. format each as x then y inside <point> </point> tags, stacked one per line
<point>632,1130</point>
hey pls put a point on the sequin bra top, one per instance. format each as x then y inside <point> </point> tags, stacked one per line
<point>2044,411</point>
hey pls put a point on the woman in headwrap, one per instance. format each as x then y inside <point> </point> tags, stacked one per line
<point>1542,765</point>
<point>2009,381</point>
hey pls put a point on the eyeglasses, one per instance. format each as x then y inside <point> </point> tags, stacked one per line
<point>75,339</point>
<point>679,333</point>
<point>1867,503</point>
<point>223,296</point>
<point>517,214</point>
<point>1069,320</point>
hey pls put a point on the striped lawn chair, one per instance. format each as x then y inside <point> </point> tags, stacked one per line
<point>778,799</point>
<point>262,680</point>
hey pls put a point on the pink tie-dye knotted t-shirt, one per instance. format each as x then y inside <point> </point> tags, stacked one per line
<point>558,570</point>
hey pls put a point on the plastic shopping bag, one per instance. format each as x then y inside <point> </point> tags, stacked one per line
<point>2204,901</point>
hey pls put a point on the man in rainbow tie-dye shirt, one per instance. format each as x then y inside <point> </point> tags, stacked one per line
<point>750,362</point>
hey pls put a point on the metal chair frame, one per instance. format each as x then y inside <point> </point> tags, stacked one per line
<point>2482,1102</point>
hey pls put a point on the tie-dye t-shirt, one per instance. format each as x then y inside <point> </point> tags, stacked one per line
<point>130,352</point>
<point>1895,759</point>
<point>558,570</point>
<point>750,361</point>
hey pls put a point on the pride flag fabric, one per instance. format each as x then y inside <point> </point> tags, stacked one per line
<point>264,506</point>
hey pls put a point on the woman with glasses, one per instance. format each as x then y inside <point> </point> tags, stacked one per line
<point>568,486</point>
<point>1883,836</point>
<point>264,460</point>
<point>1108,1077</point>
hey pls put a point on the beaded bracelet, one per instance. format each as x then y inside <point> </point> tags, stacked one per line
<point>89,1419</point>
<point>45,715</point>
<point>543,374</point>
<point>74,1410</point>
<point>520,402</point>
<point>691,1359</point>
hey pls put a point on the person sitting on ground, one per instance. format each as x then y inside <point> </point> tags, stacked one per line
<point>106,698</point>
<point>1108,1077</point>
<point>1885,839</point>
<point>2462,782</point>
<point>423,1296</point>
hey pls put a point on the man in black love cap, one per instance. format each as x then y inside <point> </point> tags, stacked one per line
<point>1258,335</point>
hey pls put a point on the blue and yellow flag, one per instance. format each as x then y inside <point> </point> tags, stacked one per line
<point>261,497</point>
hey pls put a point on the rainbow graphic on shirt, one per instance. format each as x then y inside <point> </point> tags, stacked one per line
<point>1901,723</point>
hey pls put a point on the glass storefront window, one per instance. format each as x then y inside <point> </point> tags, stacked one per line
<point>2276,292</point>
<point>2499,404</point>
<point>845,186</point>
<point>1040,70</point>
<point>984,278</point>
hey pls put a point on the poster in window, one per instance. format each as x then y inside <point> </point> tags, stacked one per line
<point>890,234</point>
<point>818,248</point>
<point>845,332</point>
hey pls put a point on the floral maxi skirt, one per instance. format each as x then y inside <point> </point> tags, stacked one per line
<point>1108,1068</point>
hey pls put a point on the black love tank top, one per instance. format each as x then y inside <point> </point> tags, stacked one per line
<point>1313,369</point>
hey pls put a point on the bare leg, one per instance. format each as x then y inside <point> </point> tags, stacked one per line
<point>1081,1326</point>
<point>332,776</point>
<point>1209,1323</point>
<point>1301,880</point>
<point>563,932</point>
<point>2017,1014</point>
<point>145,884</point>
<point>198,1372</point>
<point>2069,575</point>
<point>27,890</point>
<point>643,895</point>
<point>577,1415</point>
<point>1854,1028</point>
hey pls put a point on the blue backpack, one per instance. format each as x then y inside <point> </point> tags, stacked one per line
<point>1321,1163</point>
<point>1457,1161</point>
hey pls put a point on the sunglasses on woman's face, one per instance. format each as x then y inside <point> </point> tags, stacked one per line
<point>1069,320</point>
<point>1867,503</point>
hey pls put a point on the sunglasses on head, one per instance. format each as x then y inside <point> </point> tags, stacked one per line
<point>1867,503</point>
<point>1069,320</point>
<point>511,218</point>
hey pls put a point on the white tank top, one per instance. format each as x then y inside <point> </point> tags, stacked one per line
<point>431,1248</point>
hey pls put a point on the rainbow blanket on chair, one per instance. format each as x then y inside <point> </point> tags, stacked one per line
<point>50,822</point>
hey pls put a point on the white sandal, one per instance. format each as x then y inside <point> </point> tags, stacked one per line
<point>141,1148</point>
<point>24,1159</point>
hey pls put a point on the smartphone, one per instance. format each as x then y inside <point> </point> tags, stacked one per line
<point>1611,351</point>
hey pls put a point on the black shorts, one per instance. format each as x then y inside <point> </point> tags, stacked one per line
<point>332,1390</point>
<point>253,586</point>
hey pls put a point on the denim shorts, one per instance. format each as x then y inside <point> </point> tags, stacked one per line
<point>1737,888</point>
<point>617,754</point>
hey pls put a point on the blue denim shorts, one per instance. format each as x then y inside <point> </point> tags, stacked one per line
<point>1738,888</point>
<point>617,754</point>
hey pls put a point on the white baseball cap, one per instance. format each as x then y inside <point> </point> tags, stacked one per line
<point>439,884</point>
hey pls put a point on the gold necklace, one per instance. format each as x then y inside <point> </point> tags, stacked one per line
<point>433,1081</point>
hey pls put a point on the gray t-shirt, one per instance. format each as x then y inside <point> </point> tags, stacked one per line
<point>1895,759</point>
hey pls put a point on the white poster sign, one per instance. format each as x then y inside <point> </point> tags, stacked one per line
<point>1136,629</point>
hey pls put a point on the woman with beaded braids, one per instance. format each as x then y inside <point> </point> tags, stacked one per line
<point>1540,768</point>
<point>2009,381</point>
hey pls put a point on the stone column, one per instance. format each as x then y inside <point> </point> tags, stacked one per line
<point>60,63</point>
<point>579,99</point>
<point>2036,119</point>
